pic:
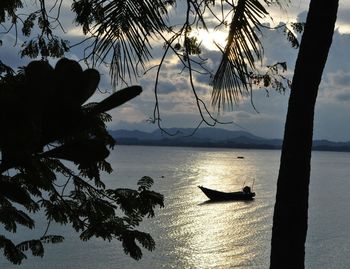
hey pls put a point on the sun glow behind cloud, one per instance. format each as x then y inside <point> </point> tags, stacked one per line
<point>211,38</point>
<point>176,95</point>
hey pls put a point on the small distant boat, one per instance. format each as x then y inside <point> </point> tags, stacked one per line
<point>214,195</point>
<point>240,157</point>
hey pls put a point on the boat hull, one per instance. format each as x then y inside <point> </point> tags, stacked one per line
<point>227,196</point>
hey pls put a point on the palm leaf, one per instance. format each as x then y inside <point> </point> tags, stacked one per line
<point>122,31</point>
<point>242,50</point>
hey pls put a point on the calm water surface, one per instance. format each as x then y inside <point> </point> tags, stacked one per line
<point>191,233</point>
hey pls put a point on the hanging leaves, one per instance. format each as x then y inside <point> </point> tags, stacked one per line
<point>28,24</point>
<point>61,132</point>
<point>122,30</point>
<point>145,183</point>
<point>242,49</point>
<point>9,8</point>
<point>130,246</point>
<point>54,47</point>
<point>11,252</point>
<point>35,246</point>
<point>291,37</point>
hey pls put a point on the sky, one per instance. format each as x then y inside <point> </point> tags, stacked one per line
<point>177,103</point>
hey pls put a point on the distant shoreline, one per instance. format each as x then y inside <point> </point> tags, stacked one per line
<point>199,145</point>
<point>127,142</point>
<point>213,138</point>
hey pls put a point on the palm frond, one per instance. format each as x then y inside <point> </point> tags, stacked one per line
<point>242,50</point>
<point>123,30</point>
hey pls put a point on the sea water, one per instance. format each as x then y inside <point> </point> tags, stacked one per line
<point>192,233</point>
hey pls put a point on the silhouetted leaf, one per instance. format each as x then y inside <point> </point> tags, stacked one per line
<point>53,239</point>
<point>243,48</point>
<point>145,183</point>
<point>5,69</point>
<point>293,40</point>
<point>105,229</point>
<point>82,152</point>
<point>192,45</point>
<point>28,24</point>
<point>122,30</point>
<point>116,99</point>
<point>11,252</point>
<point>129,243</point>
<point>30,49</point>
<point>298,26</point>
<point>14,192</point>
<point>149,200</point>
<point>9,8</point>
<point>66,195</point>
<point>10,217</point>
<point>35,246</point>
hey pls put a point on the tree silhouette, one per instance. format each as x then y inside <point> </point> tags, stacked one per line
<point>291,208</point>
<point>44,123</point>
<point>120,32</point>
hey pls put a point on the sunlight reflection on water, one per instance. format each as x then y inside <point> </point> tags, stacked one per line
<point>215,235</point>
<point>189,232</point>
<point>193,234</point>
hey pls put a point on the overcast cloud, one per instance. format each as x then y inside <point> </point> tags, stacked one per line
<point>177,102</point>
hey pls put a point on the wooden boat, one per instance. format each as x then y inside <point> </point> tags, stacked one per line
<point>215,195</point>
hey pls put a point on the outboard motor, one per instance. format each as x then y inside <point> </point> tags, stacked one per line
<point>246,189</point>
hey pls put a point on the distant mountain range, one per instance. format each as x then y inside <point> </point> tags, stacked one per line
<point>212,137</point>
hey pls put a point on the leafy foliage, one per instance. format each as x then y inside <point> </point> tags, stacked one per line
<point>291,37</point>
<point>121,30</point>
<point>192,45</point>
<point>9,8</point>
<point>11,252</point>
<point>55,128</point>
<point>44,44</point>
<point>119,33</point>
<point>243,48</point>
<point>5,70</point>
<point>272,78</point>
<point>43,126</point>
<point>35,246</point>
<point>298,26</point>
<point>55,47</point>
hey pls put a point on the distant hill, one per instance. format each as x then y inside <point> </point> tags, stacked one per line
<point>212,137</point>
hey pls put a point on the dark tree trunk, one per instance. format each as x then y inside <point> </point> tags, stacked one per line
<point>291,208</point>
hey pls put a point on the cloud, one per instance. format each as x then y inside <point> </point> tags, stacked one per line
<point>343,20</point>
<point>331,121</point>
<point>178,108</point>
<point>128,113</point>
<point>339,78</point>
<point>177,84</point>
<point>177,102</point>
<point>143,125</point>
<point>343,97</point>
<point>9,51</point>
